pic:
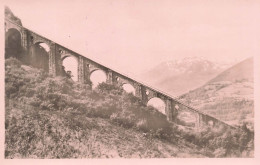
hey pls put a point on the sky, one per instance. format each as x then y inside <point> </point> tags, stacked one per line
<point>134,36</point>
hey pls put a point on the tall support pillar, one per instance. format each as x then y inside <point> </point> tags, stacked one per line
<point>176,108</point>
<point>24,40</point>
<point>138,91</point>
<point>86,72</point>
<point>58,61</point>
<point>109,77</point>
<point>144,95</point>
<point>52,59</point>
<point>169,109</point>
<point>81,68</point>
<point>198,124</point>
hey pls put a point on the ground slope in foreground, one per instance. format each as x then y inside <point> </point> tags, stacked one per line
<point>50,117</point>
<point>44,134</point>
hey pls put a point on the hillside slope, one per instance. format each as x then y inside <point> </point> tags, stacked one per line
<point>58,118</point>
<point>44,134</point>
<point>50,117</point>
<point>229,96</point>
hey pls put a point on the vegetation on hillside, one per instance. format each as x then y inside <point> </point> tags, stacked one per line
<point>231,102</point>
<point>63,120</point>
<point>229,96</point>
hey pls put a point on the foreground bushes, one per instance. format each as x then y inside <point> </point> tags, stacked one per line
<point>220,141</point>
<point>33,87</point>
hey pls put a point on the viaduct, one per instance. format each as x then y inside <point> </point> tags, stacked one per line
<point>25,39</point>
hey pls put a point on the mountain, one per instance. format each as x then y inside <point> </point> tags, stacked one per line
<point>229,96</point>
<point>240,71</point>
<point>179,76</point>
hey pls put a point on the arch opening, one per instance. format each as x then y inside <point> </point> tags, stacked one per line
<point>70,66</point>
<point>13,43</point>
<point>39,55</point>
<point>158,104</point>
<point>129,88</point>
<point>45,46</point>
<point>97,77</point>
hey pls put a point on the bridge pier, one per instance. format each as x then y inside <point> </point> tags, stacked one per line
<point>138,91</point>
<point>110,79</point>
<point>199,121</point>
<point>144,95</point>
<point>81,70</point>
<point>52,60</point>
<point>169,109</point>
<point>24,40</point>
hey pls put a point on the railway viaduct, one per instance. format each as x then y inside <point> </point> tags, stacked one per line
<point>28,39</point>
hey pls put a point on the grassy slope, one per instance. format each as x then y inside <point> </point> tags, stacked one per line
<point>229,96</point>
<point>43,134</point>
<point>56,118</point>
<point>36,128</point>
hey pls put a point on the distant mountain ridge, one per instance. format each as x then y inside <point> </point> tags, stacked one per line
<point>242,70</point>
<point>229,96</point>
<point>179,76</point>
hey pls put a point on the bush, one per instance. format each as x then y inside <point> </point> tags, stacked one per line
<point>222,142</point>
<point>12,62</point>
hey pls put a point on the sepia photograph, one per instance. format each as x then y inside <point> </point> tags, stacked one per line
<point>109,79</point>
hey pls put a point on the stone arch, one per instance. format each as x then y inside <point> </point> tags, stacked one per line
<point>39,53</point>
<point>151,94</point>
<point>97,76</point>
<point>158,103</point>
<point>13,43</point>
<point>38,39</point>
<point>11,25</point>
<point>128,86</point>
<point>71,65</point>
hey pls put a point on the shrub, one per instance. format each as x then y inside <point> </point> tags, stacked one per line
<point>12,62</point>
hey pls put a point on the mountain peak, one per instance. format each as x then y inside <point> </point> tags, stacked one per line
<point>193,64</point>
<point>179,76</point>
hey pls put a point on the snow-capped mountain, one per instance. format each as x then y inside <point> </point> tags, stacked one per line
<point>179,76</point>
